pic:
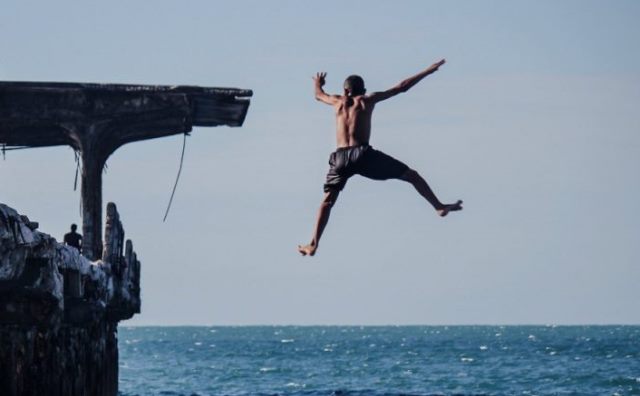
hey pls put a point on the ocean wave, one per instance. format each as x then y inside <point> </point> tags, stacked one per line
<point>389,361</point>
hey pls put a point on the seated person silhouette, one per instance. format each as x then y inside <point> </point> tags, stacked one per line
<point>73,238</point>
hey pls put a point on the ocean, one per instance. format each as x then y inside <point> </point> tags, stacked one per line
<point>377,361</point>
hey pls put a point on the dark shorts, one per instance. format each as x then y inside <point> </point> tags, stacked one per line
<point>361,160</point>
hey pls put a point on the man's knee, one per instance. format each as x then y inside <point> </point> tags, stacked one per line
<point>410,175</point>
<point>330,199</point>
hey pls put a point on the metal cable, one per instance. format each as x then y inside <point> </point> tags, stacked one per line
<point>184,144</point>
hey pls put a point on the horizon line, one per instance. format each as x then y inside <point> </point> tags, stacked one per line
<point>387,325</point>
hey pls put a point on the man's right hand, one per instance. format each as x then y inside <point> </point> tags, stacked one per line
<point>319,78</point>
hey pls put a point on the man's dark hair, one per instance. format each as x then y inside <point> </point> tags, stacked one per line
<point>74,227</point>
<point>355,85</point>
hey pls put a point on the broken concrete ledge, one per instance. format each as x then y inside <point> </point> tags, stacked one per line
<point>59,311</point>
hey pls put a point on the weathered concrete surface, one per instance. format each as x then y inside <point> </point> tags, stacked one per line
<point>59,360</point>
<point>59,311</point>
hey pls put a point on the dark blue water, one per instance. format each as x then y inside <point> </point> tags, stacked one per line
<point>358,361</point>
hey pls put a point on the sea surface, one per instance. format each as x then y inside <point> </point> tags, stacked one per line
<point>377,361</point>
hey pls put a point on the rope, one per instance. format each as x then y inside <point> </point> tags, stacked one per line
<point>184,144</point>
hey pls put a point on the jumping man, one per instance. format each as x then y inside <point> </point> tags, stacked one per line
<point>355,156</point>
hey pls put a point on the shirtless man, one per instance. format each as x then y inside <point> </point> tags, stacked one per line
<point>355,156</point>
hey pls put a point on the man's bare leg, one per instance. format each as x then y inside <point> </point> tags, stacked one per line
<point>423,188</point>
<point>321,221</point>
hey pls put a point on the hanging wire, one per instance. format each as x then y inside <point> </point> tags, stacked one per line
<point>78,159</point>
<point>75,181</point>
<point>184,144</point>
<point>10,148</point>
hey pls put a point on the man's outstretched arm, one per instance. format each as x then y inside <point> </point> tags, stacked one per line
<point>322,96</point>
<point>405,84</point>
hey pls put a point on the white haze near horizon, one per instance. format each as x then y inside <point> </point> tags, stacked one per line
<point>533,122</point>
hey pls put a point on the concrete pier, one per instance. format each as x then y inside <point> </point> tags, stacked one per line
<point>59,311</point>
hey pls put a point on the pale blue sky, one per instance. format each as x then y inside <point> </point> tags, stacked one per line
<point>533,121</point>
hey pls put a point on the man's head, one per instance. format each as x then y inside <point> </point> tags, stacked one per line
<point>74,227</point>
<point>354,86</point>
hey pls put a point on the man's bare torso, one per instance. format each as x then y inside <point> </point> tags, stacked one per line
<point>353,120</point>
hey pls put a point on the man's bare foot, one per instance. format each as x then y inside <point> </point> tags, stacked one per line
<point>307,250</point>
<point>450,208</point>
